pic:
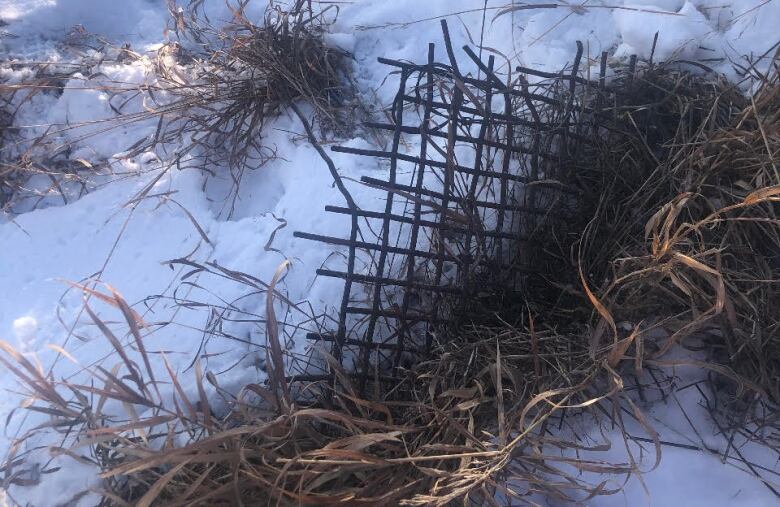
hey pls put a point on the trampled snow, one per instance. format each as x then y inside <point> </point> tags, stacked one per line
<point>128,244</point>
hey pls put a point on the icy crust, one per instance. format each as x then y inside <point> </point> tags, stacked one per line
<point>129,245</point>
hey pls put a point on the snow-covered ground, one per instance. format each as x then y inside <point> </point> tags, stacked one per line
<point>127,244</point>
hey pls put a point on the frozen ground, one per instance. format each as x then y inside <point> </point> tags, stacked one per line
<point>105,235</point>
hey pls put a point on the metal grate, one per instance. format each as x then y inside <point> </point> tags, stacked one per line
<point>461,210</point>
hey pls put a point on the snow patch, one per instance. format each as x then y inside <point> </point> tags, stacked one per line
<point>136,20</point>
<point>26,331</point>
<point>680,32</point>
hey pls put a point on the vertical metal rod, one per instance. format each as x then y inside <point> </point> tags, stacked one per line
<point>603,70</point>
<point>398,109</point>
<point>411,259</point>
<point>452,128</point>
<point>473,211</point>
<point>354,212</point>
<point>509,129</point>
<point>565,154</point>
<point>570,103</point>
<point>449,179</point>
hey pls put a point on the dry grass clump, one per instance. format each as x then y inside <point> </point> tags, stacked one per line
<point>624,175</point>
<point>710,251</point>
<point>30,152</point>
<point>211,93</point>
<point>679,232</point>
<point>454,428</point>
<point>227,81</point>
<point>11,175</point>
<point>8,172</point>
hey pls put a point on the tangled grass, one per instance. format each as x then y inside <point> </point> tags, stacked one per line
<point>677,239</point>
<point>223,83</point>
<point>38,152</point>
<point>697,252</point>
<point>210,93</point>
<point>709,264</point>
<point>435,442</point>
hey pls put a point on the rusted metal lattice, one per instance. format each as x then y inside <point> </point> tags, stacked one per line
<point>459,210</point>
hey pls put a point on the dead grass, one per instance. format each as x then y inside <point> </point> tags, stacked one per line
<point>432,442</point>
<point>678,237</point>
<point>212,93</point>
<point>223,83</point>
<point>709,261</point>
<point>698,252</point>
<point>24,155</point>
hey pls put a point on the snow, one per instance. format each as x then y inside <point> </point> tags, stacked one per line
<point>693,478</point>
<point>137,20</point>
<point>106,235</point>
<point>26,331</point>
<point>678,36</point>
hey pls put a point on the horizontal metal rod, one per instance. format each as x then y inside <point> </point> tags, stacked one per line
<point>331,376</point>
<point>396,314</point>
<point>435,133</point>
<point>358,343</point>
<point>556,75</point>
<point>499,118</point>
<point>425,223</point>
<point>464,260</point>
<point>428,163</point>
<point>441,70</point>
<point>461,259</point>
<point>389,281</point>
<point>437,195</point>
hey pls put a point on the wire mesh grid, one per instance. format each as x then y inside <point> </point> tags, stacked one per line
<point>489,162</point>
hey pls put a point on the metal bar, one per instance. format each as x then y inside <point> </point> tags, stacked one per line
<point>448,46</point>
<point>424,223</point>
<point>356,343</point>
<point>570,102</point>
<point>342,330</point>
<point>449,178</point>
<point>603,70</point>
<point>437,195</point>
<point>393,313</point>
<point>416,160</point>
<point>553,75</point>
<point>602,83</point>
<point>465,139</point>
<point>329,376</point>
<point>411,258</point>
<point>413,318</point>
<point>471,198</point>
<point>503,179</point>
<point>461,259</point>
<point>547,127</point>
<point>380,266</point>
<point>387,281</point>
